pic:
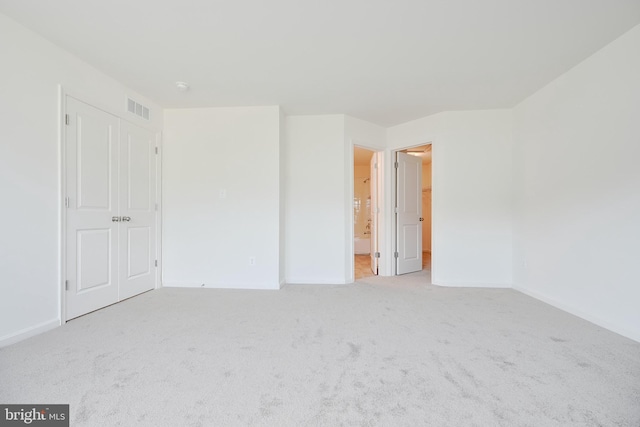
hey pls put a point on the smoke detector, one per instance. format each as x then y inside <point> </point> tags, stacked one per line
<point>182,86</point>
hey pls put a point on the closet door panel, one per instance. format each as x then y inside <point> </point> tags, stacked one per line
<point>137,206</point>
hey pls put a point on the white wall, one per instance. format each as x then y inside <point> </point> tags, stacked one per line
<point>365,134</point>
<point>32,68</point>
<point>471,194</point>
<point>315,200</point>
<point>577,239</point>
<point>282,196</point>
<point>209,239</point>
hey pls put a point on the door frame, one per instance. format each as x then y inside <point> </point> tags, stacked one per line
<point>63,93</point>
<point>392,190</point>
<point>349,194</point>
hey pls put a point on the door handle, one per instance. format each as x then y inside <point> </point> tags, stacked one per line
<point>421,219</point>
<point>115,219</point>
<point>126,218</point>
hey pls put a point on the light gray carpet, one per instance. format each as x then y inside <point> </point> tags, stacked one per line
<point>382,352</point>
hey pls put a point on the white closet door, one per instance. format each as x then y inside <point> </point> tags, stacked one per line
<point>92,191</point>
<point>137,209</point>
<point>409,214</point>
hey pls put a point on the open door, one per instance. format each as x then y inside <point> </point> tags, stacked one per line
<point>408,213</point>
<point>375,254</point>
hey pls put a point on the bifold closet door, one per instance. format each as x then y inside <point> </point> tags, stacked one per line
<point>91,166</point>
<point>110,173</point>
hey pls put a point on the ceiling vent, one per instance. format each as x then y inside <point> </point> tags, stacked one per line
<point>137,109</point>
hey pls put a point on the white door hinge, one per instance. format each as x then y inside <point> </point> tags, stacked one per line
<point>376,255</point>
<point>66,119</point>
<point>395,254</point>
<point>156,263</point>
<point>156,150</point>
<point>66,202</point>
<point>66,285</point>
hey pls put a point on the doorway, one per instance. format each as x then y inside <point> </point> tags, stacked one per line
<point>365,213</point>
<point>109,172</point>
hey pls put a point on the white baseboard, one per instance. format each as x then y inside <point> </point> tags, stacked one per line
<point>29,332</point>
<point>226,285</point>
<point>315,281</point>
<point>471,285</point>
<point>581,314</point>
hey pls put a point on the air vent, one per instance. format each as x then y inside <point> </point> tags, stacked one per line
<point>138,109</point>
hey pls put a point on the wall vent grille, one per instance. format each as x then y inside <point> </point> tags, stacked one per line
<point>138,109</point>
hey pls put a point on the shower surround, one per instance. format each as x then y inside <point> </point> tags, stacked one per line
<point>362,215</point>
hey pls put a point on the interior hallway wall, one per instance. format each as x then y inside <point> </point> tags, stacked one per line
<point>577,181</point>
<point>315,199</point>
<point>282,202</point>
<point>32,68</point>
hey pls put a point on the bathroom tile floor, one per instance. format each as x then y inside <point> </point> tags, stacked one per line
<point>363,265</point>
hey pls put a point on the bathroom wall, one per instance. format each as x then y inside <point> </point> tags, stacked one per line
<point>361,170</point>
<point>362,205</point>
<point>361,199</point>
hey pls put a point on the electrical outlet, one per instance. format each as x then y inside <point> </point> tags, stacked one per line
<point>252,260</point>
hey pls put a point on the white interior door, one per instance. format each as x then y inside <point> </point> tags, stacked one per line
<point>137,210</point>
<point>409,213</point>
<point>110,171</point>
<point>92,200</point>
<point>374,212</point>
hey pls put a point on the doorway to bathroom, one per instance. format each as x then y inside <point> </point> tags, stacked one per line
<point>365,213</point>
